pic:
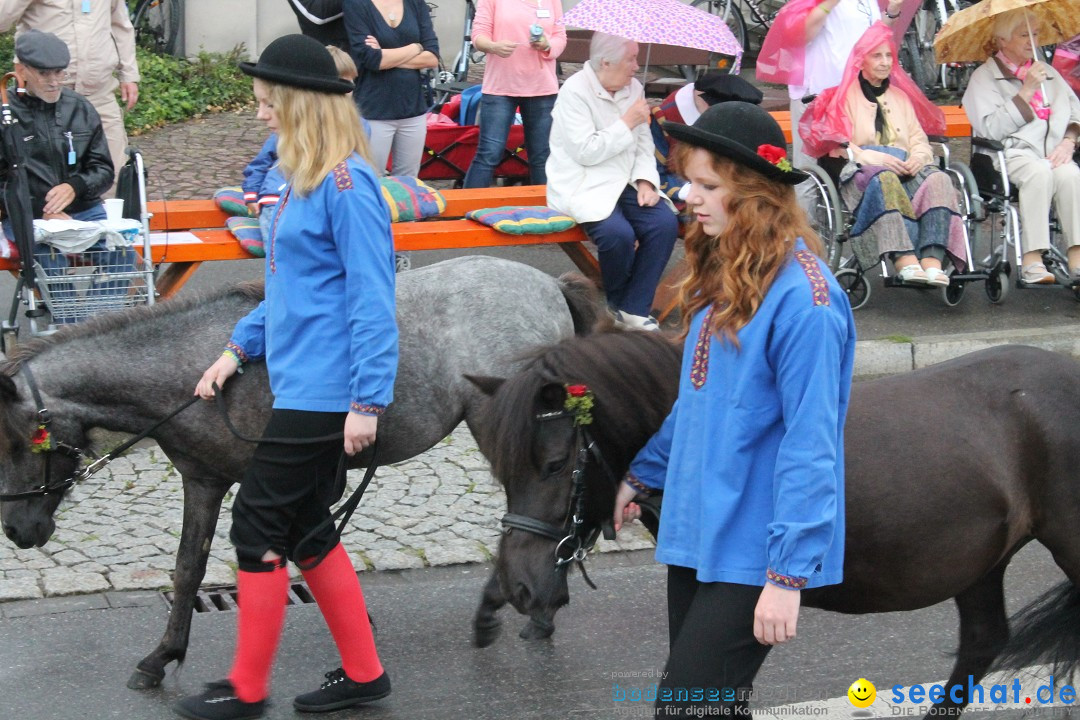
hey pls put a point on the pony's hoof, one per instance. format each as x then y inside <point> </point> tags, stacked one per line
<point>536,630</point>
<point>485,634</point>
<point>144,680</point>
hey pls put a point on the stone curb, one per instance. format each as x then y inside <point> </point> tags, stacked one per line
<point>877,358</point>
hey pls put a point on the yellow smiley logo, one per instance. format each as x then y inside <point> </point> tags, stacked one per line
<point>862,693</point>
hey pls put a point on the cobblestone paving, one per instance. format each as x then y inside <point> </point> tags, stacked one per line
<point>120,530</point>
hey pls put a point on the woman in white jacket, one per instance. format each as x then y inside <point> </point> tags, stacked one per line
<point>602,173</point>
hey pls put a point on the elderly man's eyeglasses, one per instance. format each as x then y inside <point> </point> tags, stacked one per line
<point>61,75</point>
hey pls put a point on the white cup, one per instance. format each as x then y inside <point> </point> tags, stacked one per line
<point>114,209</point>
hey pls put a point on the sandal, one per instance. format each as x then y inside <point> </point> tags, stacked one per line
<point>913,274</point>
<point>1037,274</point>
<point>936,276</point>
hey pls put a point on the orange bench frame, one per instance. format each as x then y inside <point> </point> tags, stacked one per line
<point>957,124</point>
<point>206,222</point>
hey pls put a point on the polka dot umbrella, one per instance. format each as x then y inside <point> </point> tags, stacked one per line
<point>663,22</point>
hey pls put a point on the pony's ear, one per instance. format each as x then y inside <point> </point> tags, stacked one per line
<point>8,391</point>
<point>486,384</point>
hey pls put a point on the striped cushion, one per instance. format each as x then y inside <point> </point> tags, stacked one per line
<point>522,220</point>
<point>248,233</point>
<point>411,199</point>
<point>231,201</point>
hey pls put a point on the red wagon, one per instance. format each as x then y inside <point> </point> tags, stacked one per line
<point>449,149</point>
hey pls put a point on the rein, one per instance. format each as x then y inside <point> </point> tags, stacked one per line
<point>573,542</point>
<point>48,487</point>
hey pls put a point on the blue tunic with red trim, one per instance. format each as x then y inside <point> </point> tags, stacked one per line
<point>751,458</point>
<point>328,327</point>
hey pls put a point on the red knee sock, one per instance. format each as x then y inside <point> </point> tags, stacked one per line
<point>336,588</point>
<point>261,597</point>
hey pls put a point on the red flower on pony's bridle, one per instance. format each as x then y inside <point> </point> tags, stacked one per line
<point>41,440</point>
<point>579,402</point>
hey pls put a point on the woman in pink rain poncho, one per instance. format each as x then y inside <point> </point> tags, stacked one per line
<point>904,206</point>
<point>808,43</point>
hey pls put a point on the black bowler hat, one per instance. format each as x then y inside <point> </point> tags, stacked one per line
<point>718,87</point>
<point>298,61</point>
<point>744,133</point>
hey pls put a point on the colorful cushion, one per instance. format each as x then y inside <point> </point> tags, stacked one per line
<point>411,199</point>
<point>523,220</point>
<point>248,233</point>
<point>231,201</point>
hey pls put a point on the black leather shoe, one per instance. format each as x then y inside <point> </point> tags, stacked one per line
<point>219,702</point>
<point>340,692</point>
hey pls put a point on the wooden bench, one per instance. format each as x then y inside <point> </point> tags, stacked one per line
<point>186,233</point>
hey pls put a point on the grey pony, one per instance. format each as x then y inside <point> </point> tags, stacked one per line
<point>472,315</point>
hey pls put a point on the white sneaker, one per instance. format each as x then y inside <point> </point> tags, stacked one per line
<point>635,322</point>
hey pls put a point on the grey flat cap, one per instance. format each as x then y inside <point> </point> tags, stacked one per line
<point>42,50</point>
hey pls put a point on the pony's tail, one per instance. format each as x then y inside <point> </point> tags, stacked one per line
<point>583,299</point>
<point>1046,631</point>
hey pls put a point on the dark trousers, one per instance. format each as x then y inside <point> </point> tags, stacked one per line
<point>496,117</point>
<point>634,244</point>
<point>711,628</point>
<point>288,490</point>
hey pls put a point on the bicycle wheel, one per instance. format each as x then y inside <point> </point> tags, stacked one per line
<point>730,12</point>
<point>157,25</point>
<point>919,49</point>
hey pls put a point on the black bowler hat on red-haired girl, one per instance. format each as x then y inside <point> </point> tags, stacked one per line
<point>301,62</point>
<point>744,133</point>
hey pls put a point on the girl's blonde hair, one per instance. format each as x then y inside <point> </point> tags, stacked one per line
<point>732,271</point>
<point>316,132</point>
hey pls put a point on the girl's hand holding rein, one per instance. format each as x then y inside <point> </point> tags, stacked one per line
<point>219,372</point>
<point>359,432</point>
<point>625,509</point>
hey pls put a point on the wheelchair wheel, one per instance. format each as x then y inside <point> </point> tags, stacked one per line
<point>997,283</point>
<point>953,293</point>
<point>854,284</point>
<point>965,180</point>
<point>825,213</point>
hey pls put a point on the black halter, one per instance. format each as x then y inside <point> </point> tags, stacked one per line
<point>47,486</point>
<point>573,540</point>
<point>44,420</point>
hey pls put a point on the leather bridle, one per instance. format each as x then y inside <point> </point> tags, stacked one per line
<point>573,540</point>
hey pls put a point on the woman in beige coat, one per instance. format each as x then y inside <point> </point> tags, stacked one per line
<point>1005,102</point>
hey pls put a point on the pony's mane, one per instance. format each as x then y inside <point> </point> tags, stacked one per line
<point>633,376</point>
<point>110,322</point>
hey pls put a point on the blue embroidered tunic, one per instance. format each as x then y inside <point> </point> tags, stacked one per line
<point>751,457</point>
<point>327,327</point>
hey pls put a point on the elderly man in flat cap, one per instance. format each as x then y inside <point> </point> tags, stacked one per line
<point>67,156</point>
<point>65,152</point>
<point>101,39</point>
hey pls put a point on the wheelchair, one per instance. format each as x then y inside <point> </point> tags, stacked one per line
<point>833,223</point>
<point>1001,201</point>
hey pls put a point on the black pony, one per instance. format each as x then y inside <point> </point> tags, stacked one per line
<point>1005,474</point>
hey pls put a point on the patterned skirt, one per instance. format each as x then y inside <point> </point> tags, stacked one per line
<point>896,215</point>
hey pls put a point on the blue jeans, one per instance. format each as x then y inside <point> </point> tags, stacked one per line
<point>496,117</point>
<point>634,244</point>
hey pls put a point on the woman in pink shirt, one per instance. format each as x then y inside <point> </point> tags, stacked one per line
<point>520,75</point>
